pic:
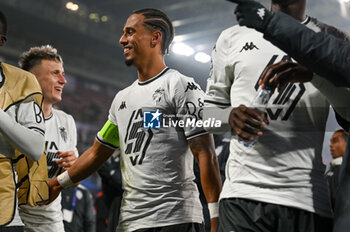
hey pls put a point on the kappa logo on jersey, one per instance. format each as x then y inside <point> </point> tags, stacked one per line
<point>248,46</point>
<point>157,95</point>
<point>137,138</point>
<point>191,86</point>
<point>122,106</point>
<point>63,133</point>
<point>287,99</point>
<point>151,119</point>
<point>261,13</point>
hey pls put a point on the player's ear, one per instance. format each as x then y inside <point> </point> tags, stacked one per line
<point>3,39</point>
<point>156,38</point>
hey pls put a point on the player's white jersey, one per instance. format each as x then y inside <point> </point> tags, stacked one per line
<point>60,135</point>
<point>157,164</point>
<point>285,166</point>
<point>29,115</point>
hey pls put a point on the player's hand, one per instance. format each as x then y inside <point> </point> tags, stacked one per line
<point>252,14</point>
<point>245,121</point>
<point>54,190</point>
<point>283,72</point>
<point>66,160</point>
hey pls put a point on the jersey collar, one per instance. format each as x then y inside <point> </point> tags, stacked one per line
<point>306,20</point>
<point>154,78</point>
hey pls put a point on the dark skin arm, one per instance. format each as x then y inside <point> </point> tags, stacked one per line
<point>203,150</point>
<point>244,120</point>
<point>283,72</point>
<point>89,162</point>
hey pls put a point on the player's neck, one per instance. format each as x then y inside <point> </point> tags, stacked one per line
<point>297,11</point>
<point>150,69</point>
<point>47,109</point>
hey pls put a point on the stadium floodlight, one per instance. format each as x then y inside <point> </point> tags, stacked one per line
<point>72,6</point>
<point>202,57</point>
<point>182,49</point>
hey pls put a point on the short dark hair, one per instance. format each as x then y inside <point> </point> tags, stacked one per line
<point>35,55</point>
<point>157,19</point>
<point>3,24</point>
<point>344,134</point>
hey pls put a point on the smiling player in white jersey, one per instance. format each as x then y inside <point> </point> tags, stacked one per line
<point>156,161</point>
<point>60,137</point>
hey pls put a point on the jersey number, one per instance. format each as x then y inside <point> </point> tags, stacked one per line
<point>137,138</point>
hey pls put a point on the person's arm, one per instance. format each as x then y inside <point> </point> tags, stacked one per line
<point>217,102</point>
<point>203,150</point>
<point>107,140</point>
<point>189,106</point>
<point>218,94</point>
<point>29,125</point>
<point>283,72</point>
<point>323,54</point>
<point>89,162</point>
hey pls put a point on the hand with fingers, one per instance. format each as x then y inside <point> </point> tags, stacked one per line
<point>283,72</point>
<point>247,121</point>
<point>66,160</point>
<point>252,14</point>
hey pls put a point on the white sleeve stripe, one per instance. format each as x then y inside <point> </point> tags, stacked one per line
<point>103,142</point>
<point>203,132</point>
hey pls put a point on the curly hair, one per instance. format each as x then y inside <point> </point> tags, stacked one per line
<point>35,55</point>
<point>157,20</point>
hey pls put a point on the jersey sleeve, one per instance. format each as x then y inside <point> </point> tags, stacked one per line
<point>221,75</point>
<point>30,115</point>
<point>217,100</point>
<point>189,99</point>
<point>20,122</point>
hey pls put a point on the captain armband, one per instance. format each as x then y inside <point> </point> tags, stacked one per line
<point>109,134</point>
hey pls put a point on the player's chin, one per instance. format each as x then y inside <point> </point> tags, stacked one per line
<point>58,98</point>
<point>129,61</point>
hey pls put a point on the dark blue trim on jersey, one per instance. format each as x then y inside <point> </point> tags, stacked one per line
<point>154,78</point>
<point>51,115</point>
<point>41,131</point>
<point>105,143</point>
<point>217,103</point>
<point>196,134</point>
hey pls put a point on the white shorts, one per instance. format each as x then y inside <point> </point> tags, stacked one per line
<point>52,227</point>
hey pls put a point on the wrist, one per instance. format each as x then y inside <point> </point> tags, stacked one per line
<point>213,208</point>
<point>64,180</point>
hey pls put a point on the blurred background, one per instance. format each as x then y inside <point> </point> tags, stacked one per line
<point>86,34</point>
